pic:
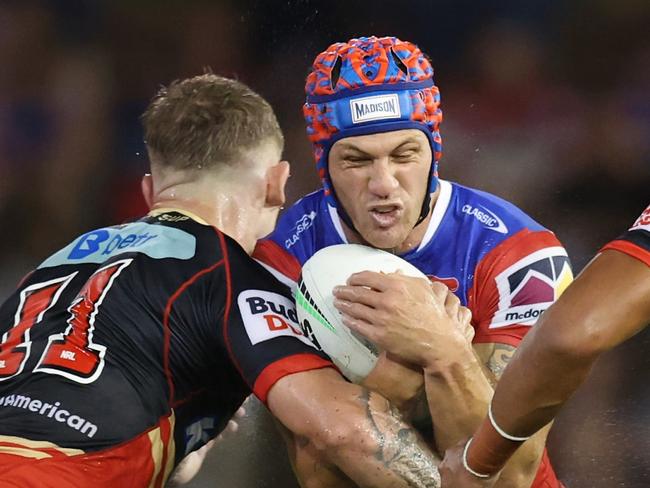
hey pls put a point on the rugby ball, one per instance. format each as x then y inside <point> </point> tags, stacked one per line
<point>354,355</point>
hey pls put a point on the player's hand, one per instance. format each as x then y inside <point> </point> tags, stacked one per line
<point>395,380</point>
<point>190,465</point>
<point>418,321</point>
<point>454,474</point>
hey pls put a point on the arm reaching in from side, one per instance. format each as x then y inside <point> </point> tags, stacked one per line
<point>608,303</point>
<point>355,429</point>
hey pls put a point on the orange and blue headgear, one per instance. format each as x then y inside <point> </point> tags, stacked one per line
<point>370,85</point>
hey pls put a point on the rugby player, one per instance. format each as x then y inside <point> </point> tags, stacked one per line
<point>608,303</point>
<point>133,346</point>
<point>373,116</point>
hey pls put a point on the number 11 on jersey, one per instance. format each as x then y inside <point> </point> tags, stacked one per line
<point>73,353</point>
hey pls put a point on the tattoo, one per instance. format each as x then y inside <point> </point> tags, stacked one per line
<point>499,359</point>
<point>399,448</point>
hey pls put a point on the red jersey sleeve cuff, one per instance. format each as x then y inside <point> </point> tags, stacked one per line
<point>284,367</point>
<point>630,249</point>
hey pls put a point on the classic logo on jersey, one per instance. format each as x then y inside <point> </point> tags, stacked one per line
<point>377,107</point>
<point>301,225</point>
<point>530,286</point>
<point>486,217</point>
<point>156,241</point>
<point>643,222</point>
<point>267,315</point>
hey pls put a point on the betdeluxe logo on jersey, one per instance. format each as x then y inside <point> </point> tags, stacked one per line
<point>267,315</point>
<point>529,286</point>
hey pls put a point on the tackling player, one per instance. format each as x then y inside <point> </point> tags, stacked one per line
<point>608,303</point>
<point>373,116</point>
<point>132,346</point>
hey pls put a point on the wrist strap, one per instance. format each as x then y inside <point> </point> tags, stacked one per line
<point>466,466</point>
<point>502,432</point>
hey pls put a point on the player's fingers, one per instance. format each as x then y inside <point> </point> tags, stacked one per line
<point>232,426</point>
<point>439,290</point>
<point>362,327</point>
<point>452,304</point>
<point>464,315</point>
<point>358,294</point>
<point>240,413</point>
<point>357,310</point>
<point>371,279</point>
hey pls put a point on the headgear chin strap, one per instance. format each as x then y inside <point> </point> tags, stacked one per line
<point>367,86</point>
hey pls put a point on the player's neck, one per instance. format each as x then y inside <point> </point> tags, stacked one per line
<point>234,215</point>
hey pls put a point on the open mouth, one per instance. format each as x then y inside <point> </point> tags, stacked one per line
<point>386,215</point>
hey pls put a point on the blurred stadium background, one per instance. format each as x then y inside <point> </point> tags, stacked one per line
<point>546,103</point>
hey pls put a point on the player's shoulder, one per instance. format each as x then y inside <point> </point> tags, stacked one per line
<point>481,208</point>
<point>300,217</point>
<point>167,235</point>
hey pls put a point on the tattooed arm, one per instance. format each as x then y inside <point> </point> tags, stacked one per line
<point>356,430</point>
<point>522,467</point>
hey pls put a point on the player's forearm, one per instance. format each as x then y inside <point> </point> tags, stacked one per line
<point>458,394</point>
<point>385,451</point>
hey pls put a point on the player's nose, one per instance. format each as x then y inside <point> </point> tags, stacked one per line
<point>382,181</point>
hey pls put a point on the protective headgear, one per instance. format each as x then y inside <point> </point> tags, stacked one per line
<point>370,85</point>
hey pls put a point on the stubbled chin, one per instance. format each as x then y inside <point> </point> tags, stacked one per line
<point>387,239</point>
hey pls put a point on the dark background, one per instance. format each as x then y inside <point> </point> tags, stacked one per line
<point>546,103</point>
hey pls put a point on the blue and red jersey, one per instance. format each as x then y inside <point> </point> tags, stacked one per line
<point>505,267</point>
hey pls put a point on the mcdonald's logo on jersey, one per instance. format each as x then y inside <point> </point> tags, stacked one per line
<point>530,286</point>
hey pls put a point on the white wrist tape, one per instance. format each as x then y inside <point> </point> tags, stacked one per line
<point>466,466</point>
<point>501,432</point>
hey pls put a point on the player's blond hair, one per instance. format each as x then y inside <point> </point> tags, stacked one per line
<point>206,121</point>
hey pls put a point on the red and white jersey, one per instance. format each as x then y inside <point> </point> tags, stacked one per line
<point>635,241</point>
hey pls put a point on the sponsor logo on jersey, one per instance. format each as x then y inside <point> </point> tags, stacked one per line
<point>302,224</point>
<point>172,218</point>
<point>156,241</point>
<point>486,217</point>
<point>451,283</point>
<point>377,107</point>
<point>643,222</point>
<point>530,286</point>
<point>52,411</point>
<point>268,315</point>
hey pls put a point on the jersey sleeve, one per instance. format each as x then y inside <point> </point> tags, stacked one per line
<point>261,330</point>
<point>635,242</point>
<point>514,283</point>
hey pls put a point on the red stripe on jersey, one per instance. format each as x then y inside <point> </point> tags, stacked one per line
<point>166,328</point>
<point>272,254</point>
<point>284,367</point>
<point>630,249</point>
<point>226,315</point>
<point>483,298</point>
<point>24,279</point>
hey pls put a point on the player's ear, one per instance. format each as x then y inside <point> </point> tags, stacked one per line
<point>147,189</point>
<point>276,180</point>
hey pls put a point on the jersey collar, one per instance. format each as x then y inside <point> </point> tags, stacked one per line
<point>439,209</point>
<point>159,211</point>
